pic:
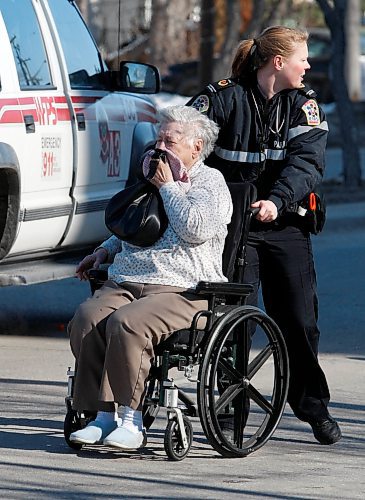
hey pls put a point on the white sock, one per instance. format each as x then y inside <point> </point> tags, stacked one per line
<point>105,417</point>
<point>132,419</point>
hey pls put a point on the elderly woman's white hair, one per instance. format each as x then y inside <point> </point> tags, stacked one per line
<point>195,124</point>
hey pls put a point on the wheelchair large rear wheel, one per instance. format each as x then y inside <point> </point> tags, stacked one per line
<point>243,382</point>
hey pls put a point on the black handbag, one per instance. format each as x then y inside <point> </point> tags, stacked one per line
<point>137,214</point>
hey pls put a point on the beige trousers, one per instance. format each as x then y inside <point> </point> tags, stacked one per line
<point>112,336</point>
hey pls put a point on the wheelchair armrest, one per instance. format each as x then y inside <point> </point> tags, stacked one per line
<point>98,274</point>
<point>223,288</point>
<point>97,277</point>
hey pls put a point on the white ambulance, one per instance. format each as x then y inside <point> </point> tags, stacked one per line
<point>71,135</point>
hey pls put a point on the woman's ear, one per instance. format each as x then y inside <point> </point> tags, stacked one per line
<point>198,146</point>
<point>278,62</point>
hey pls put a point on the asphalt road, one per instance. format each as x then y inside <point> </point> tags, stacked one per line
<point>36,463</point>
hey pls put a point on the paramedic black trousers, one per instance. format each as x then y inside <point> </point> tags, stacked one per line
<point>281,260</point>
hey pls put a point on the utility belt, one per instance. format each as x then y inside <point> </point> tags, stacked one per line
<point>313,210</point>
<point>309,215</point>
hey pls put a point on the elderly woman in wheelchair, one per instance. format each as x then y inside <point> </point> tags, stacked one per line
<point>170,305</point>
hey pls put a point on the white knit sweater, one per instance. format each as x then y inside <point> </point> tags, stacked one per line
<point>191,248</point>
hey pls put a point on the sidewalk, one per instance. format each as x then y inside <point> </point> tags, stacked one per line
<point>37,464</point>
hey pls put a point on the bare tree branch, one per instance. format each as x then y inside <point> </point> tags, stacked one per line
<point>232,36</point>
<point>335,19</point>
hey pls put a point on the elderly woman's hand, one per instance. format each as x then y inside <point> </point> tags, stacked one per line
<point>92,261</point>
<point>268,210</point>
<point>163,174</point>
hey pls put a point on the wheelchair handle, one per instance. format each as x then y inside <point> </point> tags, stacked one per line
<point>253,211</point>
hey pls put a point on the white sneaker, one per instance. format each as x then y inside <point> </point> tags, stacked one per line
<point>125,439</point>
<point>93,433</point>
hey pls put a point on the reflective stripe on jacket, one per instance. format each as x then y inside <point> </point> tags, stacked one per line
<point>279,144</point>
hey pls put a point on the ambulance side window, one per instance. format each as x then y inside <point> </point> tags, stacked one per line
<point>84,64</point>
<point>27,44</point>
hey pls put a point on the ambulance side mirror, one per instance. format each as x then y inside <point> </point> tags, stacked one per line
<point>139,78</point>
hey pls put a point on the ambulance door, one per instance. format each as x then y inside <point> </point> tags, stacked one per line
<point>35,122</point>
<point>104,122</point>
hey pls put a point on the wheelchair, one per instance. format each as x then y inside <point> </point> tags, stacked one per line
<point>238,362</point>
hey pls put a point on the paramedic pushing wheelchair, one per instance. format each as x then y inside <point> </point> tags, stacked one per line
<point>273,134</point>
<point>150,290</point>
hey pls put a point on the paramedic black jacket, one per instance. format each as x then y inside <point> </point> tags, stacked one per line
<point>278,144</point>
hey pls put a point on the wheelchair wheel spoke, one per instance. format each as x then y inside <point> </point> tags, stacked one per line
<point>229,370</point>
<point>259,361</point>
<point>260,400</point>
<point>240,420</point>
<point>227,397</point>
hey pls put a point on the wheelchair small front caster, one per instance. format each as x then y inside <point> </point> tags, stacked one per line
<point>75,421</point>
<point>71,424</point>
<point>173,443</point>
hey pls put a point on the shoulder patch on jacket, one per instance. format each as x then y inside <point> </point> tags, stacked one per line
<point>308,92</point>
<point>311,111</point>
<point>201,103</point>
<point>222,84</point>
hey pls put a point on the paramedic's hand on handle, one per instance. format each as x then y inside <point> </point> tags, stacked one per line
<point>267,210</point>
<point>163,174</point>
<point>92,261</point>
